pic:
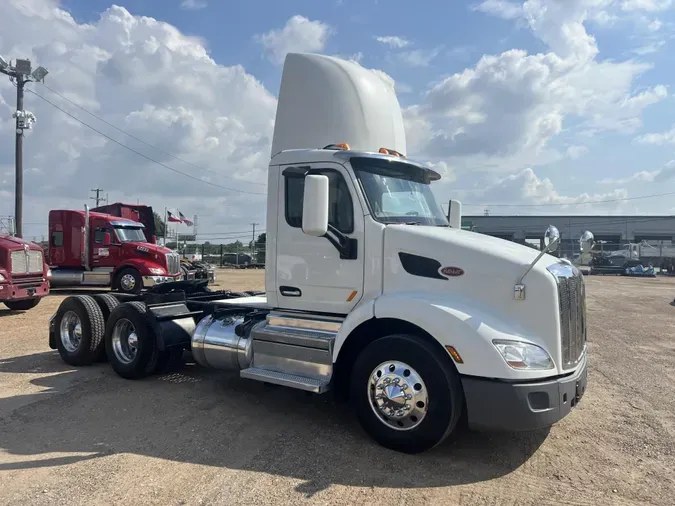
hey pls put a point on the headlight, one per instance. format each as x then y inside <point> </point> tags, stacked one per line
<point>2,278</point>
<point>157,271</point>
<point>49,273</point>
<point>520,355</point>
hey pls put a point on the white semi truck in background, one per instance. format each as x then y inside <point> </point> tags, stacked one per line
<point>370,291</point>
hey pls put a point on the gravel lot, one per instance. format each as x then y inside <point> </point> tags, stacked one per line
<point>86,436</point>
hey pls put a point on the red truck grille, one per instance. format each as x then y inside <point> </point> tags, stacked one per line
<point>26,262</point>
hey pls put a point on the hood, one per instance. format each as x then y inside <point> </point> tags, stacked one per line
<point>146,247</point>
<point>11,243</point>
<point>472,271</point>
<point>473,243</point>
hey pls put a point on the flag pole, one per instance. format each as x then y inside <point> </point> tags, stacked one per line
<point>165,228</point>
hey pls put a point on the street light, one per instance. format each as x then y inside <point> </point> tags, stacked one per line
<point>22,73</point>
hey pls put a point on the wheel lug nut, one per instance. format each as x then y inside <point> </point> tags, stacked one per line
<point>408,396</point>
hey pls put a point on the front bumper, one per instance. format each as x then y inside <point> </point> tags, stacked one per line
<point>20,291</point>
<point>150,281</point>
<point>499,405</point>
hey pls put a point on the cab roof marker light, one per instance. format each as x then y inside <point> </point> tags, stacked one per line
<point>341,146</point>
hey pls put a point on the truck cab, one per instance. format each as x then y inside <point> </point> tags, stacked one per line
<point>98,249</point>
<point>24,275</point>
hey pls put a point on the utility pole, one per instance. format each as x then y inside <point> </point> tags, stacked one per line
<point>253,243</point>
<point>98,197</point>
<point>18,153</point>
<point>21,73</point>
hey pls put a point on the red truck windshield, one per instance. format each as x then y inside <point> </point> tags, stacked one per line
<point>126,234</point>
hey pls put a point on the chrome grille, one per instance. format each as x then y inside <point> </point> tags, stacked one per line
<point>26,262</point>
<point>173,263</point>
<point>572,307</point>
<point>35,261</point>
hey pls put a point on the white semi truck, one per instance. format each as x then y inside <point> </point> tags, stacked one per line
<point>371,292</point>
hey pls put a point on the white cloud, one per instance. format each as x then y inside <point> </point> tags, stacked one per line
<point>147,78</point>
<point>575,152</point>
<point>416,57</point>
<point>393,41</point>
<point>651,48</point>
<point>646,5</point>
<point>502,8</point>
<point>667,137</point>
<point>666,173</point>
<point>503,112</point>
<point>193,4</point>
<point>535,195</point>
<point>298,35</point>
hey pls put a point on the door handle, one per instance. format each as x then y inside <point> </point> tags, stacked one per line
<point>290,291</point>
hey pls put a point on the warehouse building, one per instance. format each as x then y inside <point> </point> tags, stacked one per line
<point>614,231</point>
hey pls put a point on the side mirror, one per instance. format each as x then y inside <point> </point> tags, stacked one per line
<point>315,205</point>
<point>455,214</point>
<point>106,239</point>
<point>586,241</point>
<point>551,239</point>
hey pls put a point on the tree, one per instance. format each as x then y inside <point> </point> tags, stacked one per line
<point>159,225</point>
<point>262,238</point>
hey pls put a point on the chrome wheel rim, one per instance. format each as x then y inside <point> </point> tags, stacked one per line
<point>398,395</point>
<point>70,331</point>
<point>128,282</point>
<point>124,341</point>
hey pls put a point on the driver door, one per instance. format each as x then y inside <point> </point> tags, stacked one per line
<point>312,275</point>
<point>103,255</point>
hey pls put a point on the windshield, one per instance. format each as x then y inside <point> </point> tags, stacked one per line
<point>398,192</point>
<point>125,234</point>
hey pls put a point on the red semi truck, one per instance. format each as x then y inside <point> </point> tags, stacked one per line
<point>97,249</point>
<point>24,275</point>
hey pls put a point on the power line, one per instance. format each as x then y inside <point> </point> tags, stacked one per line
<point>559,204</point>
<point>589,222</point>
<point>148,144</point>
<point>139,153</point>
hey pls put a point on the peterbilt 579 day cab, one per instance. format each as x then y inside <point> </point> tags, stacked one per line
<point>371,292</point>
<point>96,249</point>
<point>24,275</point>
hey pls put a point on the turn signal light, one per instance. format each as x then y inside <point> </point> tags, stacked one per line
<point>453,353</point>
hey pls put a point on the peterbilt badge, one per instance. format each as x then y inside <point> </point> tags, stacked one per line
<point>452,271</point>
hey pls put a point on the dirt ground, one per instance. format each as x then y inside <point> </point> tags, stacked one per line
<point>86,436</point>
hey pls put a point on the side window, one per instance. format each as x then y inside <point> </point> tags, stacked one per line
<point>295,189</point>
<point>340,205</point>
<point>98,235</point>
<point>57,239</point>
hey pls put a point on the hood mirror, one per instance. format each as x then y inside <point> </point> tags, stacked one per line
<point>551,239</point>
<point>586,241</point>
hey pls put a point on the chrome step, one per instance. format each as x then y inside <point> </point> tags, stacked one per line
<point>296,336</point>
<point>317,385</point>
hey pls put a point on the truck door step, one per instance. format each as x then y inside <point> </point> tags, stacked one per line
<point>317,385</point>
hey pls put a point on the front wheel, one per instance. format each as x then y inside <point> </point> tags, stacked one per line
<point>407,395</point>
<point>22,305</point>
<point>128,280</point>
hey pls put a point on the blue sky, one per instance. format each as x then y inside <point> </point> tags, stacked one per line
<point>530,107</point>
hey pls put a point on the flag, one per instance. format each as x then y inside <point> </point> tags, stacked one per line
<point>172,218</point>
<point>184,219</point>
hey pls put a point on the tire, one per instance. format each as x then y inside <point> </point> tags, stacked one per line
<point>128,280</point>
<point>106,303</point>
<point>435,409</point>
<point>127,364</point>
<point>170,360</point>
<point>79,346</point>
<point>22,305</point>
